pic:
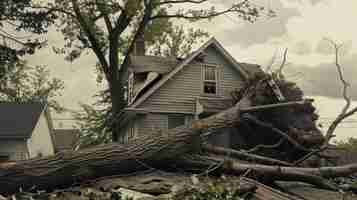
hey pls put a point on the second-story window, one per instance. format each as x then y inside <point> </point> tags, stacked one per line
<point>210,79</point>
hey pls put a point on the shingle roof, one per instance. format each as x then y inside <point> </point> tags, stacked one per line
<point>65,139</point>
<point>158,64</point>
<point>17,120</point>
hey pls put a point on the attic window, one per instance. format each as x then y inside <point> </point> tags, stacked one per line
<point>210,79</point>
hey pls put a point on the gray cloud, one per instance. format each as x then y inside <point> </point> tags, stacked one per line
<point>302,48</point>
<point>313,2</point>
<point>262,30</point>
<point>323,79</point>
<point>324,47</point>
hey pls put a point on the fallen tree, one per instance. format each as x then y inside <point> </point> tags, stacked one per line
<point>285,127</point>
<point>64,169</point>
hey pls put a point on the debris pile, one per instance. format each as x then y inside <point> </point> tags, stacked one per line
<point>275,140</point>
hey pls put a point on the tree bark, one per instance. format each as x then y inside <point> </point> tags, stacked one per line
<point>244,156</point>
<point>314,176</point>
<point>64,169</point>
<point>155,150</point>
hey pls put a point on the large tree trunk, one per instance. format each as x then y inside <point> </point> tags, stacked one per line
<point>154,150</point>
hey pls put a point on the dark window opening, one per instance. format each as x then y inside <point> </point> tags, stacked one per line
<point>210,80</point>
<point>4,158</point>
<point>175,121</point>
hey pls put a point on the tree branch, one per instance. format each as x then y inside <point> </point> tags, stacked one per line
<point>235,8</point>
<point>280,70</point>
<point>183,1</point>
<point>91,36</point>
<point>276,130</point>
<point>105,15</point>
<point>344,112</point>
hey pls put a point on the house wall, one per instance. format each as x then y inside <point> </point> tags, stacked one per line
<point>151,123</point>
<point>40,142</point>
<point>17,149</point>
<point>230,78</point>
<point>178,95</point>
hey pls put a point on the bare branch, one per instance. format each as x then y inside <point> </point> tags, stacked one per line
<point>271,62</point>
<point>276,130</point>
<point>237,8</point>
<point>91,36</point>
<point>344,112</point>
<point>280,70</point>
<point>183,1</point>
<point>262,146</point>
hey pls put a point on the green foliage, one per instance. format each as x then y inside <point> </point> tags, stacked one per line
<point>93,124</point>
<point>177,41</point>
<point>349,144</point>
<point>19,12</point>
<point>23,83</point>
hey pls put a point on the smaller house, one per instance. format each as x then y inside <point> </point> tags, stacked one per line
<point>25,131</point>
<point>65,139</point>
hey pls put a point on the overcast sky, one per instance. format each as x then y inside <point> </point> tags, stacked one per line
<point>300,26</point>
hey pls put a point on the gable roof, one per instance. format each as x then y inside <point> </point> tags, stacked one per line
<point>161,65</point>
<point>65,139</point>
<point>185,62</point>
<point>17,120</point>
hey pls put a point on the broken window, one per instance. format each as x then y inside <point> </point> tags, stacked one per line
<point>175,121</point>
<point>210,80</point>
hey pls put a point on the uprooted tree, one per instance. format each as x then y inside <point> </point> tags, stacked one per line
<point>188,148</point>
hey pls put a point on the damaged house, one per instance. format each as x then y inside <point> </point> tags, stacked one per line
<point>168,92</point>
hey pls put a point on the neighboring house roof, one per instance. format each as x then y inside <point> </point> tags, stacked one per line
<point>17,120</point>
<point>185,62</point>
<point>161,65</point>
<point>65,139</point>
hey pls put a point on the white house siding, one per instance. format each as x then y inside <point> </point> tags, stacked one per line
<point>40,142</point>
<point>16,149</point>
<point>230,78</point>
<point>154,122</point>
<point>180,92</point>
<point>177,94</point>
<point>150,123</point>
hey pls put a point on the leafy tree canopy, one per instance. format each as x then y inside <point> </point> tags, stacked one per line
<point>23,83</point>
<point>109,27</point>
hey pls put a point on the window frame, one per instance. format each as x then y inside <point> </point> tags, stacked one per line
<point>216,81</point>
<point>176,115</point>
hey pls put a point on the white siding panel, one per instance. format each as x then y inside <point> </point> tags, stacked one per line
<point>231,79</point>
<point>40,142</point>
<point>151,123</point>
<point>178,94</point>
